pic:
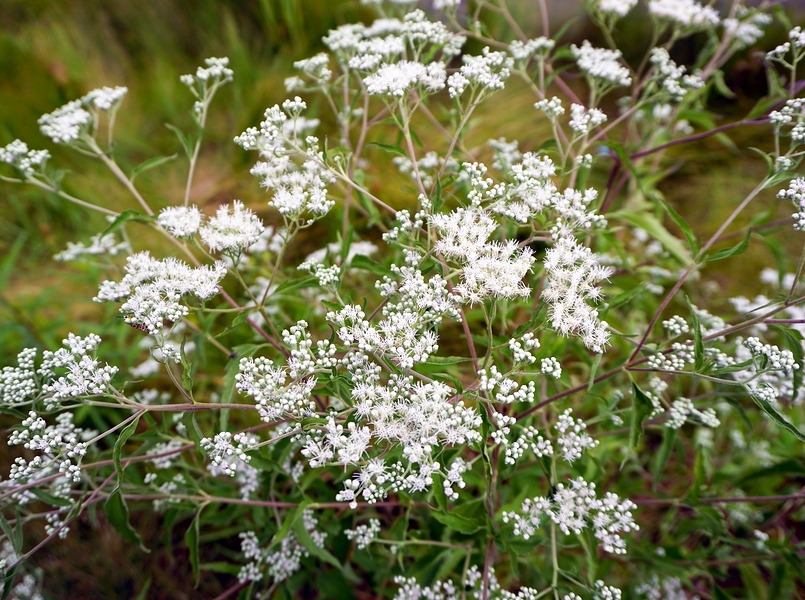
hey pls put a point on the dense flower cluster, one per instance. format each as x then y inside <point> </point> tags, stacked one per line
<point>574,508</point>
<point>153,288</point>
<point>20,157</point>
<point>687,13</point>
<point>601,64</point>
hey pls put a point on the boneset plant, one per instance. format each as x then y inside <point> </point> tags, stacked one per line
<point>521,384</point>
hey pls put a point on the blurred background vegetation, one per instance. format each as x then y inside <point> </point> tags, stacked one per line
<point>52,51</point>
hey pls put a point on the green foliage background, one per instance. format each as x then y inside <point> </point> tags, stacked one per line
<point>52,51</point>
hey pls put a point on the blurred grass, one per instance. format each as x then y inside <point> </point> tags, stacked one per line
<point>52,51</point>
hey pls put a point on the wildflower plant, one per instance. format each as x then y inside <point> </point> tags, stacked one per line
<point>477,393</point>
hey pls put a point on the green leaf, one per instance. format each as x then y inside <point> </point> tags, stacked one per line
<point>239,320</point>
<point>721,85</point>
<point>627,296</point>
<point>188,147</point>
<point>693,242</point>
<point>50,498</point>
<point>288,523</point>
<point>189,421</point>
<point>124,217</point>
<point>9,576</point>
<point>393,148</point>
<point>187,377</point>
<point>661,458</point>
<point>461,524</point>
<point>736,250</point>
<point>651,225</point>
<point>151,163</point>
<point>778,418</point>
<point>787,468</point>
<point>359,261</point>
<point>438,492</point>
<point>191,539</point>
<point>446,360</point>
<point>221,567</point>
<point>118,514</point>
<point>436,201</point>
<point>642,407</point>
<point>762,107</point>
<point>292,284</point>
<point>9,533</point>
<point>303,537</point>
<point>127,432</point>
<point>485,429</point>
<point>699,477</point>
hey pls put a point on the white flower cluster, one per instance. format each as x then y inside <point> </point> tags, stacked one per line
<point>98,245</point>
<point>616,7</point>
<point>280,564</point>
<point>666,362</point>
<point>298,188</point>
<point>796,194</point>
<point>18,384</point>
<point>489,268</point>
<point>363,535</point>
<point>397,79</point>
<point>601,65</point>
<point>72,371</point>
<point>180,221</point>
<point>488,71</point>
<point>153,288</point>
<point>662,589</point>
<point>747,27</point>
<point>522,51</point>
<point>502,389</point>
<point>390,54</point>
<point>206,79</point>
<point>105,98</point>
<point>682,410</point>
<point>571,507</point>
<point>231,231</point>
<point>410,589</point>
<point>530,439</point>
<point>224,453</point>
<point>428,167</point>
<point>62,443</point>
<point>676,325</point>
<point>583,121</point>
<point>268,384</point>
<point>793,113</point>
<point>29,587</point>
<point>606,592</point>
<point>360,47</point>
<point>506,153</point>
<point>572,274</point>
<point>414,416</point>
<point>552,108</point>
<point>67,123</point>
<point>573,438</point>
<point>521,349</point>
<point>770,357</point>
<point>20,157</point>
<point>672,77</point>
<point>687,13</point>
